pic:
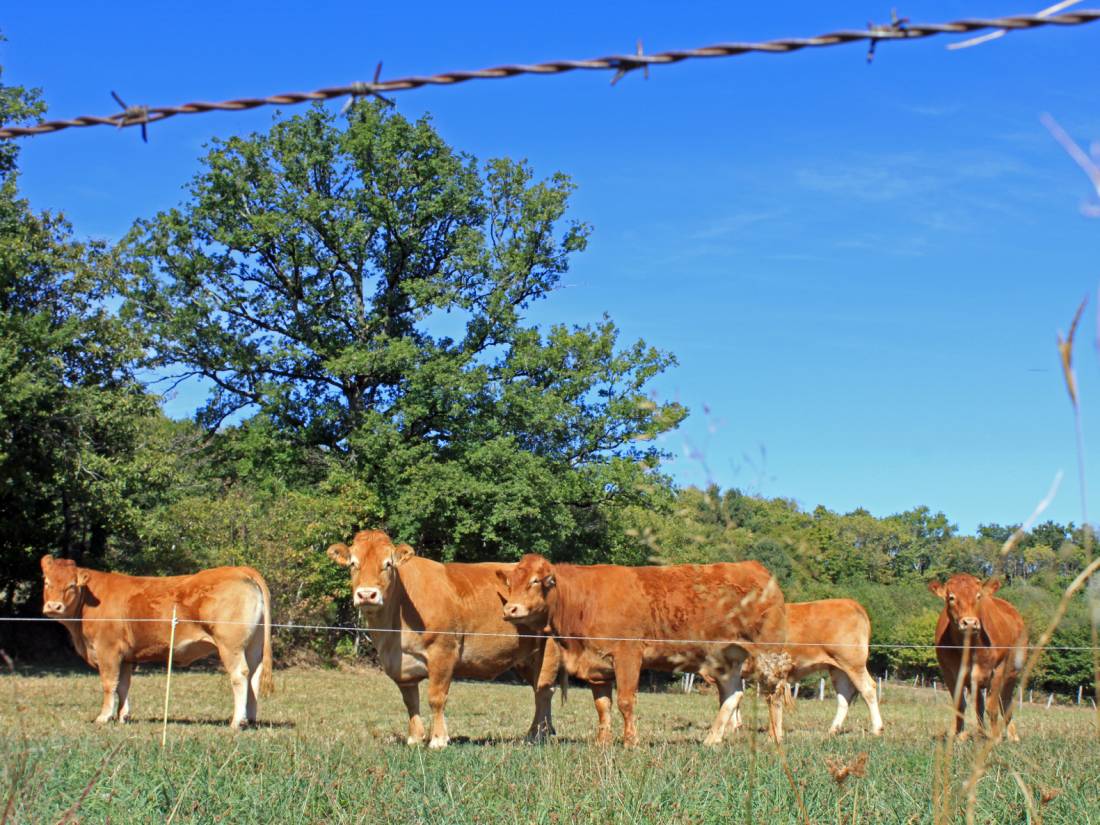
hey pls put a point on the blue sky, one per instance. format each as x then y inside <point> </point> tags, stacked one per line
<point>861,268</point>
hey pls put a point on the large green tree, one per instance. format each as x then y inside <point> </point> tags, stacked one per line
<point>72,415</point>
<point>364,287</point>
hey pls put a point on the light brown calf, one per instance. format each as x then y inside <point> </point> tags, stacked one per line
<point>832,635</point>
<point>992,634</point>
<point>606,617</point>
<point>117,621</point>
<point>425,619</point>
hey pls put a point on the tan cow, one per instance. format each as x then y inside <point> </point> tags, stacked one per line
<point>607,620</point>
<point>992,634</point>
<point>117,621</point>
<point>832,635</point>
<point>437,621</point>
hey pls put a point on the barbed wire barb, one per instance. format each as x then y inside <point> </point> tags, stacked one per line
<point>897,25</point>
<point>898,29</point>
<point>360,89</point>
<point>627,65</point>
<point>132,115</point>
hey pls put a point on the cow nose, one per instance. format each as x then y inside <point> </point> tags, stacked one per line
<point>368,595</point>
<point>971,623</point>
<point>53,607</point>
<point>513,611</point>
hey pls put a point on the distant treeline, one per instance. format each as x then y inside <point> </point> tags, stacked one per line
<point>349,296</point>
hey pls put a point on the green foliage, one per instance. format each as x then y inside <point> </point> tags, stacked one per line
<point>310,279</point>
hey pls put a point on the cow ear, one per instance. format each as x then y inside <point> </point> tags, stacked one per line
<point>339,554</point>
<point>504,586</point>
<point>991,586</point>
<point>82,578</point>
<point>403,553</point>
<point>47,563</point>
<point>936,588</point>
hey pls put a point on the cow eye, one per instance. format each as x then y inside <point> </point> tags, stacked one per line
<point>353,563</point>
<point>534,582</point>
<point>387,564</point>
<point>951,597</point>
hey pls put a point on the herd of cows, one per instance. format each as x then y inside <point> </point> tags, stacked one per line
<point>601,623</point>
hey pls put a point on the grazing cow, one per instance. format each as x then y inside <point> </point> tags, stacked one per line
<point>438,621</point>
<point>992,635</point>
<point>606,617</point>
<point>833,635</point>
<point>117,621</point>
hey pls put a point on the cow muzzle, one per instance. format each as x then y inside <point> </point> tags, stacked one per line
<point>53,608</point>
<point>515,612</point>
<point>367,597</point>
<point>971,624</point>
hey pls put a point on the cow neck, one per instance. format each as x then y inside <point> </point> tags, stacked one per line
<point>75,626</point>
<point>566,609</point>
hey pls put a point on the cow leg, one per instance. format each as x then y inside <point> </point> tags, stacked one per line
<point>953,682</point>
<point>775,714</point>
<point>865,683</point>
<point>254,656</point>
<point>845,692</point>
<point>978,696</point>
<point>730,690</point>
<point>601,695</point>
<point>1008,688</point>
<point>440,671</point>
<point>125,673</point>
<point>628,671</point>
<point>411,695</point>
<point>109,675</point>
<point>236,665</point>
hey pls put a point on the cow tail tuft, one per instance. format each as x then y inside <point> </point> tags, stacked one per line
<point>563,681</point>
<point>267,678</point>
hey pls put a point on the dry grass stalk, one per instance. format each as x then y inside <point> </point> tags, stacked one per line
<point>841,770</point>
<point>1065,352</point>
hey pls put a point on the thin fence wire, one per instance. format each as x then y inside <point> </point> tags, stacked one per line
<point>620,64</point>
<point>472,633</point>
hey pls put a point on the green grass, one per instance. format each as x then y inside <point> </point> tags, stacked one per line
<point>330,748</point>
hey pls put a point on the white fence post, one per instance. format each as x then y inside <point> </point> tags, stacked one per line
<point>821,690</point>
<point>168,681</point>
<point>880,690</point>
<point>1049,700</point>
<point>797,685</point>
<point>1080,688</point>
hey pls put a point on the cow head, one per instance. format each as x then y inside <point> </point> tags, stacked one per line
<point>529,588</point>
<point>63,587</point>
<point>372,560</point>
<point>962,596</point>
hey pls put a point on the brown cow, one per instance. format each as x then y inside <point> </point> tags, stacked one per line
<point>833,635</point>
<point>438,621</point>
<point>117,621</point>
<point>997,640</point>
<point>605,618</point>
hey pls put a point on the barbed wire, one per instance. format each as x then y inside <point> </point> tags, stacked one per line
<point>496,635</point>
<point>620,64</point>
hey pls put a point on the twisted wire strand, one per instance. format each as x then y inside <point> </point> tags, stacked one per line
<point>620,64</point>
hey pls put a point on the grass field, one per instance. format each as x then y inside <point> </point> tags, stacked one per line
<point>330,748</point>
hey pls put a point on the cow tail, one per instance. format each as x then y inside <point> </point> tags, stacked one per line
<point>267,678</point>
<point>563,681</point>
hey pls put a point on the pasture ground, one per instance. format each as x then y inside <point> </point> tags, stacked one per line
<point>330,748</point>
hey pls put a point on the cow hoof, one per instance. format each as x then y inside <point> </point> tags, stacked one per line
<point>962,736</point>
<point>413,741</point>
<point>603,738</point>
<point>834,731</point>
<point>104,720</point>
<point>438,744</point>
<point>713,739</point>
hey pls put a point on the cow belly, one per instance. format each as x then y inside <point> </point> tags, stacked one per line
<point>192,650</point>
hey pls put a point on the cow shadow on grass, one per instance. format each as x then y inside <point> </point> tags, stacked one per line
<point>219,722</point>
